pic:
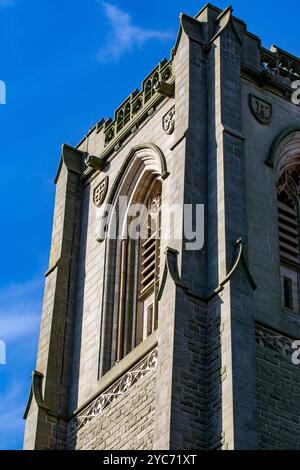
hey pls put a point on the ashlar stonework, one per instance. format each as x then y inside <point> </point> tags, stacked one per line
<point>151,345</point>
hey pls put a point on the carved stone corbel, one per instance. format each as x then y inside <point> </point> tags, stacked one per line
<point>165,89</point>
<point>94,162</point>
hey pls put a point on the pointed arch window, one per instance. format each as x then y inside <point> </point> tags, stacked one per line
<point>130,310</point>
<point>139,276</point>
<point>288,192</point>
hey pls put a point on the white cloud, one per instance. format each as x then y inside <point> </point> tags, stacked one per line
<point>17,326</point>
<point>125,35</point>
<point>12,406</point>
<point>20,310</point>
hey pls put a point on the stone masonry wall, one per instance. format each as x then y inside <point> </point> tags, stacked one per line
<point>278,391</point>
<point>263,248</point>
<point>214,378</point>
<point>90,292</point>
<point>125,424</point>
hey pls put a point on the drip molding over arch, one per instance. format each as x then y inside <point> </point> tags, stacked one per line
<point>141,159</point>
<point>151,155</point>
<point>285,147</point>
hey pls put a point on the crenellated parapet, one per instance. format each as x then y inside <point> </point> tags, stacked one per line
<point>138,102</point>
<point>273,68</point>
<point>279,63</point>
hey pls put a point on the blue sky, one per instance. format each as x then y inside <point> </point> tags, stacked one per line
<point>66,64</point>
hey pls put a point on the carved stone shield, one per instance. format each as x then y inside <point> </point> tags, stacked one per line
<point>169,121</point>
<point>100,192</point>
<point>261,109</point>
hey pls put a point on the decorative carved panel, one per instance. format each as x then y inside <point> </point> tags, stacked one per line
<point>271,339</point>
<point>117,390</point>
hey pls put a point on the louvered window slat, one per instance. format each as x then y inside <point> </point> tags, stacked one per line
<point>289,249</point>
<point>149,263</point>
<point>149,267</point>
<point>150,241</point>
<point>288,232</point>
<point>286,208</point>
<point>287,221</point>
<point>288,241</point>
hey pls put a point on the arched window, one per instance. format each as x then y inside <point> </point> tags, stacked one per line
<point>288,196</point>
<point>131,264</point>
<point>139,273</point>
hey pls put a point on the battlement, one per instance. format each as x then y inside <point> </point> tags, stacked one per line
<point>280,63</point>
<point>135,104</point>
<point>263,66</point>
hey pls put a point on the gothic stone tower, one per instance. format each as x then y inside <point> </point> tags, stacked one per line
<point>152,345</point>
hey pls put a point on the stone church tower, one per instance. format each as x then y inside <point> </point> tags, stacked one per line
<point>146,344</point>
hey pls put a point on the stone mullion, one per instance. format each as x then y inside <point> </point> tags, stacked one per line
<point>122,299</point>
